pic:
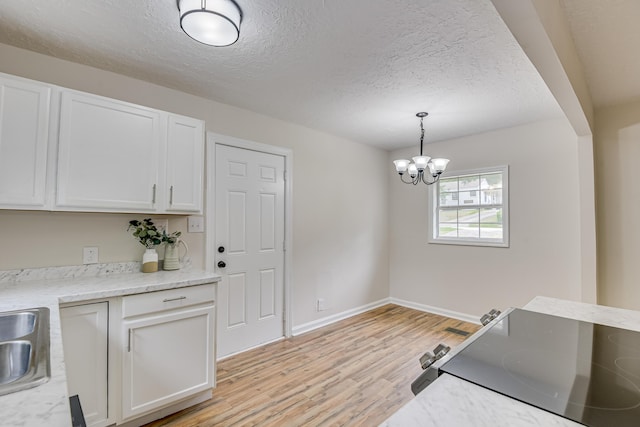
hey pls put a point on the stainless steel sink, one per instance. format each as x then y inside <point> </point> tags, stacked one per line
<point>24,349</point>
<point>16,325</point>
<point>18,354</point>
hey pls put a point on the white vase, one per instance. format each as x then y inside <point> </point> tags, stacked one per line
<point>172,259</point>
<point>150,261</point>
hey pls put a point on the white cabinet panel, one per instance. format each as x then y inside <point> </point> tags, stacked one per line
<point>85,342</point>
<point>108,156</point>
<point>24,129</point>
<point>170,299</point>
<point>185,164</point>
<point>67,150</point>
<point>167,357</point>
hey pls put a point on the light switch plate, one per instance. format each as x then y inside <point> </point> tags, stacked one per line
<point>195,224</point>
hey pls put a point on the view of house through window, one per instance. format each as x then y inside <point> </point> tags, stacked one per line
<point>471,208</point>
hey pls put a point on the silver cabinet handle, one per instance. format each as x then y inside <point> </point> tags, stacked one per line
<point>129,342</point>
<point>171,195</point>
<point>173,299</point>
<point>154,195</point>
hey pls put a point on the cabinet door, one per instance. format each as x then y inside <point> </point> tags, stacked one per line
<point>108,155</point>
<point>166,358</point>
<point>185,164</point>
<point>85,341</point>
<point>24,129</point>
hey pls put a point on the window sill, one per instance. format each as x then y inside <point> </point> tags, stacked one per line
<point>460,242</point>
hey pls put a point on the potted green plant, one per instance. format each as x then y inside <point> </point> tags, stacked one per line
<point>171,239</point>
<point>148,236</point>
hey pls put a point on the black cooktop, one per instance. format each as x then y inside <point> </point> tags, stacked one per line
<point>586,372</point>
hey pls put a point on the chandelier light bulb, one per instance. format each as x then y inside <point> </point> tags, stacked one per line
<point>421,162</point>
<point>401,165</point>
<point>440,164</point>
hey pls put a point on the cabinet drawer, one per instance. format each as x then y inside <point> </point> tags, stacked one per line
<point>135,305</point>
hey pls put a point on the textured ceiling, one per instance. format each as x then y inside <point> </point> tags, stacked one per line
<point>606,34</point>
<point>359,69</point>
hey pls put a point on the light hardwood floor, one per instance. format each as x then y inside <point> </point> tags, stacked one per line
<point>355,372</point>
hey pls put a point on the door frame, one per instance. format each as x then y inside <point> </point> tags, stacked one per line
<point>214,139</point>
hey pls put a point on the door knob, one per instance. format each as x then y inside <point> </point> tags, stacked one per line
<point>221,249</point>
<point>221,264</point>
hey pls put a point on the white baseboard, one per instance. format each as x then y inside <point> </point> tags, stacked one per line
<point>436,310</point>
<point>226,356</point>
<point>319,323</point>
<point>315,324</point>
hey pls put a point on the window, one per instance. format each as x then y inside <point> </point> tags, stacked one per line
<point>471,208</point>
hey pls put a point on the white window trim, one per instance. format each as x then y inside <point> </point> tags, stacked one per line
<point>433,211</point>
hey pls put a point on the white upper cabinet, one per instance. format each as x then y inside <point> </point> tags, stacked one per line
<point>24,140</point>
<point>119,157</point>
<point>66,150</point>
<point>185,164</point>
<point>108,155</point>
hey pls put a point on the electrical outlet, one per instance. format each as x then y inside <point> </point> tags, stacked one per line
<point>90,255</point>
<point>321,304</point>
<point>195,224</point>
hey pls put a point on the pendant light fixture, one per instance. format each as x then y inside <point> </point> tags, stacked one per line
<point>420,163</point>
<point>212,22</point>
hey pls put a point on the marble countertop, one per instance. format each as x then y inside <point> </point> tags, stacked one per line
<point>48,404</point>
<point>450,401</point>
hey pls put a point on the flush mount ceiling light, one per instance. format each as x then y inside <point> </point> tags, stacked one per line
<point>420,163</point>
<point>212,22</point>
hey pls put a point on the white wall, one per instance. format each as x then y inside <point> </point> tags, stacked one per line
<point>544,253</point>
<point>340,226</point>
<point>617,152</point>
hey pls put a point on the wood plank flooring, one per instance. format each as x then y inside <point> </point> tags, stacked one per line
<point>356,372</point>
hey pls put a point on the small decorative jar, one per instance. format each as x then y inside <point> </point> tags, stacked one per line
<point>150,261</point>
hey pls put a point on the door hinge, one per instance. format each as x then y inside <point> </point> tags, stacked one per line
<point>284,175</point>
<point>284,246</point>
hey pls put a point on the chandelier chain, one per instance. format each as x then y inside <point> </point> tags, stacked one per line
<point>421,134</point>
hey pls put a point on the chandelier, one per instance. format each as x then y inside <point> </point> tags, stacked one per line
<point>420,163</point>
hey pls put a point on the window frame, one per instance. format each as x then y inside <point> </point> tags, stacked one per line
<point>434,205</point>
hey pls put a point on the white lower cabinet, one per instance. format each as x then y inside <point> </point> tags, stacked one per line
<point>168,358</point>
<point>85,337</point>
<point>163,356</point>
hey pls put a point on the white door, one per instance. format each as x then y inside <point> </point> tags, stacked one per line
<point>249,218</point>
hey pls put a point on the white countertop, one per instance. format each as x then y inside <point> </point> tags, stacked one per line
<point>450,401</point>
<point>48,404</point>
